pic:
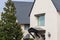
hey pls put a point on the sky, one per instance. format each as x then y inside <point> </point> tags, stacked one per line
<point>2,3</point>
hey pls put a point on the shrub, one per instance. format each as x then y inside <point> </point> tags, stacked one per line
<point>31,39</point>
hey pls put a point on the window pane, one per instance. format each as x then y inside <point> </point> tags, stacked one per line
<point>26,27</point>
<point>41,20</point>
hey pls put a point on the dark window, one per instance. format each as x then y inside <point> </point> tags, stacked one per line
<point>26,26</point>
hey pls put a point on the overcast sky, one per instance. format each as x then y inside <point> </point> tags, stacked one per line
<point>2,2</point>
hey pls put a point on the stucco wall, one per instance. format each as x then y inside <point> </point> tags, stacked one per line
<point>51,17</point>
<point>25,32</point>
<point>58,25</point>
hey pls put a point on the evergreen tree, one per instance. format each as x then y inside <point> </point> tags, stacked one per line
<point>9,28</point>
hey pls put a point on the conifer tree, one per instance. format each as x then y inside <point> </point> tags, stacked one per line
<point>9,28</point>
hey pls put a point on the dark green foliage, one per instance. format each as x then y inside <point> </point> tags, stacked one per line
<point>31,39</point>
<point>28,39</point>
<point>9,28</point>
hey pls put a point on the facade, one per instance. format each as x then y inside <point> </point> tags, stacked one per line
<point>46,15</point>
<point>22,13</point>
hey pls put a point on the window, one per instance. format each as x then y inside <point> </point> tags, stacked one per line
<point>26,27</point>
<point>41,20</point>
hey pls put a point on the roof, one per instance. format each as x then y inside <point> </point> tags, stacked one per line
<point>22,11</point>
<point>56,4</point>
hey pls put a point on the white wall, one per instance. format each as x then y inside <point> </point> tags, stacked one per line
<point>58,25</point>
<point>25,32</point>
<point>51,17</point>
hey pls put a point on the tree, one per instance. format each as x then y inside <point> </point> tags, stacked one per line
<point>9,28</point>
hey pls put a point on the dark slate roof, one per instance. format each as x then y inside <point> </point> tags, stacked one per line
<point>22,11</point>
<point>56,4</point>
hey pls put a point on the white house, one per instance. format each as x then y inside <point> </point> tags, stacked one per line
<point>45,15</point>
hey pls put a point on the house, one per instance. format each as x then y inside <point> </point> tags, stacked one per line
<point>23,10</point>
<point>45,20</point>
